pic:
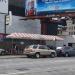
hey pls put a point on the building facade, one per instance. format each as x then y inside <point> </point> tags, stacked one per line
<point>69,33</point>
<point>17,7</point>
<point>71,26</point>
<point>18,10</point>
<point>18,25</point>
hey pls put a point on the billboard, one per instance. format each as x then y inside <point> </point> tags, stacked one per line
<point>3,6</point>
<point>30,9</point>
<point>54,6</point>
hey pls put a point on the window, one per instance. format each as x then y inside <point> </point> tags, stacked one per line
<point>74,27</point>
<point>69,28</point>
<point>35,46</point>
<point>67,48</point>
<point>69,33</point>
<point>47,47</point>
<point>74,33</point>
<point>73,21</point>
<point>43,47</point>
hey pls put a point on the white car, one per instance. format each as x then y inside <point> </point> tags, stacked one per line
<point>2,51</point>
<point>39,50</point>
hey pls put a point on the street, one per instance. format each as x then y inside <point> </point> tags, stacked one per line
<point>41,66</point>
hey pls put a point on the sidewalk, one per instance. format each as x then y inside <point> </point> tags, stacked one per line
<point>12,56</point>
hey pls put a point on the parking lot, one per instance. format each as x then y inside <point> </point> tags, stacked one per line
<point>41,66</point>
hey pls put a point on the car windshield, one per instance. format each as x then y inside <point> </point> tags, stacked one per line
<point>67,47</point>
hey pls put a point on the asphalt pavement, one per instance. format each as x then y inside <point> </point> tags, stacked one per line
<point>41,66</point>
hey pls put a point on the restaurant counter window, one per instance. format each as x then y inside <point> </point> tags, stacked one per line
<point>73,21</point>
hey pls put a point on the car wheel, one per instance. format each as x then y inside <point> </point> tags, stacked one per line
<point>37,55</point>
<point>66,55</point>
<point>52,55</point>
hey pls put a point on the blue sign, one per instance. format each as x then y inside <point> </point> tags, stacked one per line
<point>54,6</point>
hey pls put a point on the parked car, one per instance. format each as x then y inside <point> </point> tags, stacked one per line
<point>65,51</point>
<point>39,50</point>
<point>2,51</point>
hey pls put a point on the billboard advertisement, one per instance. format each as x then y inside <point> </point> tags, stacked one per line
<point>3,6</point>
<point>30,9</point>
<point>54,6</point>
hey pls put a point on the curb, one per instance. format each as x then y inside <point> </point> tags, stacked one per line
<point>12,56</point>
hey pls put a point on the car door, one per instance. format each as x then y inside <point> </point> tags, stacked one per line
<point>47,50</point>
<point>43,50</point>
<point>72,51</point>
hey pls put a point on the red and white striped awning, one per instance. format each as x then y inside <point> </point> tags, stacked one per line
<point>33,36</point>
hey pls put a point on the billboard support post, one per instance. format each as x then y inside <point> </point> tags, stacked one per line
<point>4,10</point>
<point>8,20</point>
<point>5,25</point>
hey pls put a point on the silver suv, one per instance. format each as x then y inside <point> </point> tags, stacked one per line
<point>39,50</point>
